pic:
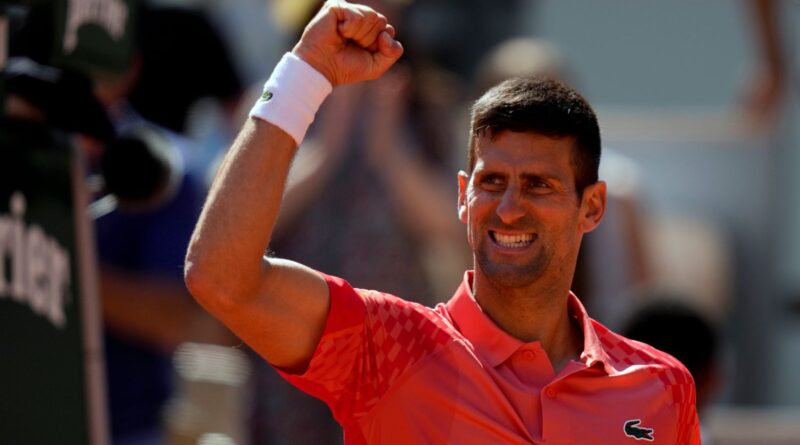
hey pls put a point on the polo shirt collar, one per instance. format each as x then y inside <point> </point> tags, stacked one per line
<point>494,344</point>
<point>593,351</point>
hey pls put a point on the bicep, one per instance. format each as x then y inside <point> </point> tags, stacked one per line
<point>284,318</point>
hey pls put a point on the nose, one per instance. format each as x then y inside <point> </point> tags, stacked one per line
<point>510,207</point>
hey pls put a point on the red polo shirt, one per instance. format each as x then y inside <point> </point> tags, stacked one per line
<point>396,372</point>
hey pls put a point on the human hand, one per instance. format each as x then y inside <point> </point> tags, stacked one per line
<point>348,43</point>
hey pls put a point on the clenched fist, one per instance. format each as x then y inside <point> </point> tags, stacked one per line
<point>349,43</point>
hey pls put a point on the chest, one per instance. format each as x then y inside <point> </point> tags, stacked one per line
<point>453,397</point>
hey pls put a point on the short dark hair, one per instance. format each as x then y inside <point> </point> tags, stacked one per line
<point>540,105</point>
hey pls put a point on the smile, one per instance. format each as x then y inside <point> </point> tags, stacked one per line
<point>515,241</point>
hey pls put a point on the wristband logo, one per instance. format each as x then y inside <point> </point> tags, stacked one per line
<point>266,95</point>
<point>632,429</point>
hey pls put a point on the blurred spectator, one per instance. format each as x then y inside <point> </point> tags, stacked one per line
<point>668,324</point>
<point>180,71</point>
<point>520,56</point>
<point>50,96</point>
<point>141,241</point>
<point>183,59</point>
<point>765,93</point>
<point>455,34</point>
<point>145,307</point>
<point>147,310</point>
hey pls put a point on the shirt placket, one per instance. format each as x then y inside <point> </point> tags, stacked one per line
<point>553,409</point>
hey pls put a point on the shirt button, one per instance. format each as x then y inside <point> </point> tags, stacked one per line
<point>550,393</point>
<point>528,354</point>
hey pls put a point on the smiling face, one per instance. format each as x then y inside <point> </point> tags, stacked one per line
<point>524,217</point>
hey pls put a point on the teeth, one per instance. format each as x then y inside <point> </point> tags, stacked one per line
<point>513,240</point>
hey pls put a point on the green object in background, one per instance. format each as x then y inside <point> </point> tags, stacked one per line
<point>45,359</point>
<point>94,35</point>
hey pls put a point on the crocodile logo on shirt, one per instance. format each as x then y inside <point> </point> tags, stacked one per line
<point>632,429</point>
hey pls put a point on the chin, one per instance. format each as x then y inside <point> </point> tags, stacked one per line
<point>508,275</point>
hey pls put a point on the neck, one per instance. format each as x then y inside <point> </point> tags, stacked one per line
<point>537,312</point>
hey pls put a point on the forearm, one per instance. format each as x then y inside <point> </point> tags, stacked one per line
<point>235,226</point>
<point>277,306</point>
<point>343,44</point>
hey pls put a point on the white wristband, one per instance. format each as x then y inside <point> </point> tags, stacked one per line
<point>292,96</point>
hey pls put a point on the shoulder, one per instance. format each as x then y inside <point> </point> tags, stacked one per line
<point>384,316</point>
<point>371,340</point>
<point>402,320</point>
<point>627,355</point>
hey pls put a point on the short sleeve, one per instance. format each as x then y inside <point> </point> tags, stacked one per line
<point>680,387</point>
<point>688,421</point>
<point>329,374</point>
<point>370,339</point>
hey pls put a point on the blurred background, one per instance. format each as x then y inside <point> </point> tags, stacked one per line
<point>116,113</point>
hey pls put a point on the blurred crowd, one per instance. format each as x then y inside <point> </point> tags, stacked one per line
<point>371,195</point>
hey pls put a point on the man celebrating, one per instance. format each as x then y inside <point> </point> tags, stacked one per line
<point>513,357</point>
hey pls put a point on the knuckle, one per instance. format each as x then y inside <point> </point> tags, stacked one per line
<point>329,7</point>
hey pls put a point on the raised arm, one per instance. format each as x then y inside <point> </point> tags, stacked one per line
<point>277,306</point>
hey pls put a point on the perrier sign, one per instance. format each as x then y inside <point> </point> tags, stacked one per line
<point>43,351</point>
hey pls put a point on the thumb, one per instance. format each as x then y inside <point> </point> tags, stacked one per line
<point>389,50</point>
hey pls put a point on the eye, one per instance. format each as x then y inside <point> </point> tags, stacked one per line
<point>492,183</point>
<point>537,185</point>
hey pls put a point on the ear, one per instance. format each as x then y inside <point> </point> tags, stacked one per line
<point>593,206</point>
<point>463,182</point>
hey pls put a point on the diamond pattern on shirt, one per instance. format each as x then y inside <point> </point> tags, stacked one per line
<point>402,334</point>
<point>394,336</point>
<point>373,342</point>
<point>676,378</point>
